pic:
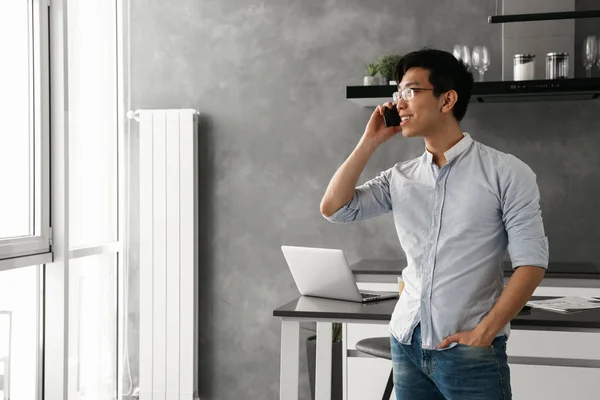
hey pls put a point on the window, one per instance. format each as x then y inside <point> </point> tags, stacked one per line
<point>24,150</point>
<point>92,123</point>
<point>93,194</point>
<point>75,346</point>
<point>93,328</point>
<point>19,333</point>
<point>25,201</point>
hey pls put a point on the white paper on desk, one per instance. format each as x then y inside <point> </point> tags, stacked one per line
<point>566,304</point>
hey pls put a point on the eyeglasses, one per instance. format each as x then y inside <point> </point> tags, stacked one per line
<point>406,94</point>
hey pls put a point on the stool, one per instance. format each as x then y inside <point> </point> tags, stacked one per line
<point>379,347</point>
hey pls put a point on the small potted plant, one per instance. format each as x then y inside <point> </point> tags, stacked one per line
<point>386,65</point>
<point>336,362</point>
<point>371,79</point>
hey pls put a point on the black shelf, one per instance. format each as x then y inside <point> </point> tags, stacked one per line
<point>503,19</point>
<point>496,91</point>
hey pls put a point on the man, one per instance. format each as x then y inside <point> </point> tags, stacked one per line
<point>457,209</point>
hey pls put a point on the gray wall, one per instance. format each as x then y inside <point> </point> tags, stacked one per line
<point>269,78</point>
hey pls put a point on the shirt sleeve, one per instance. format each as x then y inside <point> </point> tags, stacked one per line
<point>370,200</point>
<point>522,216</point>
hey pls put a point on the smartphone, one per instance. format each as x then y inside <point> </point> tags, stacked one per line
<point>391,117</point>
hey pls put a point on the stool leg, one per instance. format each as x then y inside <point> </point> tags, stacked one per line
<point>388,388</point>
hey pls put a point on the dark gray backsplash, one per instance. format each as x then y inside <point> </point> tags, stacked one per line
<point>269,78</point>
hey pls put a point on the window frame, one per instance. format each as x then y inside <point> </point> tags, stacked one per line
<point>49,249</point>
<point>40,242</point>
<point>55,378</point>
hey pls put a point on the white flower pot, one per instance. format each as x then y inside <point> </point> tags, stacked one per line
<point>370,81</point>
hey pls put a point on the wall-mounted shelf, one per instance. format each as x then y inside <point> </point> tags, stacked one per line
<point>498,91</point>
<point>503,19</point>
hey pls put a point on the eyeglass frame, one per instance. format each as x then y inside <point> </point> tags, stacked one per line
<point>407,90</point>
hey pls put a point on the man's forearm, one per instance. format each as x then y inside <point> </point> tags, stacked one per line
<point>341,187</point>
<point>516,294</point>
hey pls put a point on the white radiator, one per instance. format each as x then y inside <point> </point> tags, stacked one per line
<point>168,254</point>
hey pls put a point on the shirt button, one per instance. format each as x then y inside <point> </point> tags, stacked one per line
<point>437,213</point>
<point>431,242</point>
<point>441,183</point>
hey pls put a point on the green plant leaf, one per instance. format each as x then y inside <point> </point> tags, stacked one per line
<point>386,65</point>
<point>372,69</point>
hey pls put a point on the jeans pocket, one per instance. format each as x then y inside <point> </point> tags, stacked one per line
<point>497,347</point>
<point>480,353</point>
<point>475,348</point>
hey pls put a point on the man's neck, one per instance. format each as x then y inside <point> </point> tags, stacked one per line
<point>442,141</point>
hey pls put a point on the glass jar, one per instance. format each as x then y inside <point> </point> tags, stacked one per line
<point>557,65</point>
<point>523,67</point>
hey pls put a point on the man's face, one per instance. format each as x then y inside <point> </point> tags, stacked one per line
<point>421,113</point>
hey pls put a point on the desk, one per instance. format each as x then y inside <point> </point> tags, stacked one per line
<point>325,311</point>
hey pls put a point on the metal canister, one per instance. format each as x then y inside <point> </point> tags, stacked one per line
<point>523,67</point>
<point>557,65</point>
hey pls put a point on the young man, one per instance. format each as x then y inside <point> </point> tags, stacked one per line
<point>457,209</point>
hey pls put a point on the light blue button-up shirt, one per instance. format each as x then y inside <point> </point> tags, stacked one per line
<point>455,224</point>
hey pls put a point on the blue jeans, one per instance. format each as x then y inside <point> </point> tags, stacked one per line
<point>462,372</point>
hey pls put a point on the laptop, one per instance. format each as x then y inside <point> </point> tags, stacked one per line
<point>326,273</point>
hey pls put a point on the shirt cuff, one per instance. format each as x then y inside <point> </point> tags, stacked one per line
<point>338,216</point>
<point>532,252</point>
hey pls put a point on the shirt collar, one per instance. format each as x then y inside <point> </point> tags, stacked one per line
<point>454,151</point>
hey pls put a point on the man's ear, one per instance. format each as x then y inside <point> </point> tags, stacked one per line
<point>449,100</point>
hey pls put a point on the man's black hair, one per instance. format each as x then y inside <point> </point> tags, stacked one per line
<point>445,73</point>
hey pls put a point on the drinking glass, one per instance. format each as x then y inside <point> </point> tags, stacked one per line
<point>481,60</point>
<point>462,53</point>
<point>598,53</point>
<point>466,56</point>
<point>590,54</point>
<point>457,52</point>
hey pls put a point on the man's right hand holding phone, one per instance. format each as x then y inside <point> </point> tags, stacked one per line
<point>376,131</point>
<point>341,187</point>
